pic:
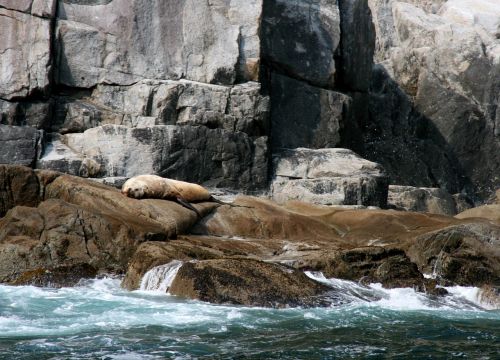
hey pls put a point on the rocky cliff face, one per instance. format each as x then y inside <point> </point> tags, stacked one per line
<point>209,92</point>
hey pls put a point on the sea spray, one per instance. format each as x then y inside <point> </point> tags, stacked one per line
<point>160,277</point>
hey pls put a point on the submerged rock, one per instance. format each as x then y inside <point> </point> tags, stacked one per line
<point>247,282</point>
<point>388,266</point>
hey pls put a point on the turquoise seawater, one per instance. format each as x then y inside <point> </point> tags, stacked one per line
<point>99,320</point>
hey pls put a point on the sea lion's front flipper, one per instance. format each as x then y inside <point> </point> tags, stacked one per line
<point>188,205</point>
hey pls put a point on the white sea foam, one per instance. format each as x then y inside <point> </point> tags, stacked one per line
<point>159,278</point>
<point>460,297</point>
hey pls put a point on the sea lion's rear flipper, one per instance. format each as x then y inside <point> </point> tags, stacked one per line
<point>225,203</point>
<point>188,205</point>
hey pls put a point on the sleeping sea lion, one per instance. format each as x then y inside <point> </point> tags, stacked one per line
<point>157,187</point>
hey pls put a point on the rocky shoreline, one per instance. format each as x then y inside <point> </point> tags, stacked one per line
<point>58,228</point>
<point>357,138</point>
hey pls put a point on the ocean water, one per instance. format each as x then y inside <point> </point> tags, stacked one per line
<point>99,320</point>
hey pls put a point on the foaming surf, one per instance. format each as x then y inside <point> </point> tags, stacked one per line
<point>458,298</point>
<point>99,319</point>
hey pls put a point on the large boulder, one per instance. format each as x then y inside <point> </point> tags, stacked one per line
<point>247,282</point>
<point>463,254</point>
<point>24,54</point>
<point>373,264</point>
<point>432,200</point>
<point>328,177</point>
<point>191,247</point>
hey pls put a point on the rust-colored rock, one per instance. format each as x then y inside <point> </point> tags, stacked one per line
<point>68,220</point>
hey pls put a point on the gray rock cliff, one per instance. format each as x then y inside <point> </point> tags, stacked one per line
<point>210,91</point>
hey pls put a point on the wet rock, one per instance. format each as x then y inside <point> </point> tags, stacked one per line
<point>490,296</point>
<point>431,200</point>
<point>388,266</point>
<point>83,222</point>
<point>466,254</point>
<point>328,177</point>
<point>247,282</point>
<point>62,276</point>
<point>189,247</point>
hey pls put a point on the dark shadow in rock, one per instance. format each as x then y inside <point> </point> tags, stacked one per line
<point>406,143</point>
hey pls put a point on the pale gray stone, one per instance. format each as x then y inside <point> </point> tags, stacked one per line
<point>214,157</point>
<point>446,56</point>
<point>153,102</point>
<point>24,55</point>
<point>41,8</point>
<point>211,42</point>
<point>328,177</point>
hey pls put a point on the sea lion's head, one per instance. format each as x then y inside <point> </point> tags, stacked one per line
<point>134,188</point>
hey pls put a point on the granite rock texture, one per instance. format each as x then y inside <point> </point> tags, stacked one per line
<point>328,177</point>
<point>401,83</point>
